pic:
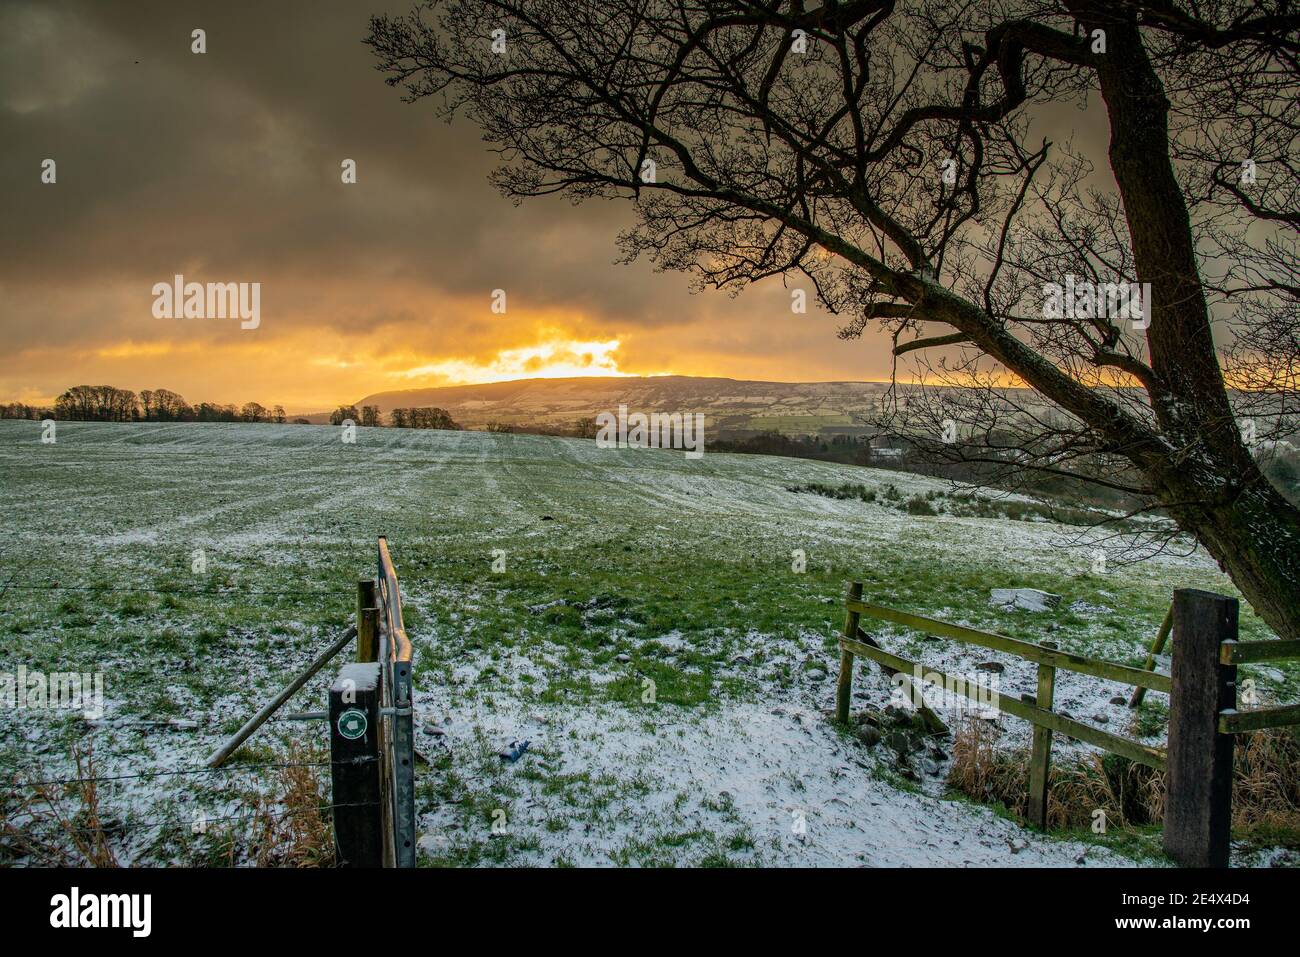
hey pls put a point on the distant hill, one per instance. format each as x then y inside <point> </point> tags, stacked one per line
<point>729,404</point>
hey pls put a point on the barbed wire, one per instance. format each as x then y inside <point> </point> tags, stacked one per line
<point>233,592</point>
<point>110,829</point>
<point>12,578</point>
<point>28,586</point>
<point>198,769</point>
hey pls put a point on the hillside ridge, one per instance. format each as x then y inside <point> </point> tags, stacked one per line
<point>734,404</point>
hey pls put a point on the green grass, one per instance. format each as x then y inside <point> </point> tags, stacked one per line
<point>627,572</point>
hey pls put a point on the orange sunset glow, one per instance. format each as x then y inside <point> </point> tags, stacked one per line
<point>385,283</point>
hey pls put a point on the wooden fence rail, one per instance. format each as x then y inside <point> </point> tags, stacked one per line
<point>1098,668</point>
<point>1203,715</point>
<point>1251,652</point>
<point>1157,646</point>
<point>1020,708</point>
<point>399,713</point>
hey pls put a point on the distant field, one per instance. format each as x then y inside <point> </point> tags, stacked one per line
<point>728,404</point>
<point>809,424</point>
<point>620,566</point>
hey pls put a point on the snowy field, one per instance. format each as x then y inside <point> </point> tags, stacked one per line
<point>662,634</point>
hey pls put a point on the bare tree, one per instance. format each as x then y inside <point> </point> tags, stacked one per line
<point>883,153</point>
<point>21,410</point>
<point>213,412</point>
<point>428,417</point>
<point>344,413</point>
<point>97,403</point>
<point>169,406</point>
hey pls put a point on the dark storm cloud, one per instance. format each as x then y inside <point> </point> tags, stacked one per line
<point>226,167</point>
<point>229,161</point>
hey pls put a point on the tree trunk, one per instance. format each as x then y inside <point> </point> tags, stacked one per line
<point>1205,475</point>
<point>1251,530</point>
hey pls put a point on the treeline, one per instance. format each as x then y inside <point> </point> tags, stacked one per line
<point>107,403</point>
<point>574,429</point>
<point>20,410</point>
<point>424,417</point>
<point>848,449</point>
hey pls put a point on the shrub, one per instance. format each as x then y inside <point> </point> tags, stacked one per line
<point>1266,783</point>
<point>919,505</point>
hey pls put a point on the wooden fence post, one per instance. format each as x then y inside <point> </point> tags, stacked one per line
<point>1040,759</point>
<point>1157,646</point>
<point>354,755</point>
<point>367,622</point>
<point>257,720</point>
<point>844,687</point>
<point>1198,782</point>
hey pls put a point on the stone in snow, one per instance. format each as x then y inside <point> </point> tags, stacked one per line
<point>869,735</point>
<point>1028,599</point>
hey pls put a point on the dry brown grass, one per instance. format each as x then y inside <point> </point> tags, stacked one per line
<point>62,825</point>
<point>296,829</point>
<point>1266,782</point>
<point>51,833</point>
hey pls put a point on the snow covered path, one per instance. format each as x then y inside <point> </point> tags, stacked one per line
<point>802,794</point>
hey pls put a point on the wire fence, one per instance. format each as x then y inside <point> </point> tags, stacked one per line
<point>230,592</point>
<point>197,823</point>
<point>188,824</point>
<point>197,769</point>
<point>34,795</point>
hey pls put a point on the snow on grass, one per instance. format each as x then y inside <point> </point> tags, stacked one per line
<point>621,567</point>
<point>740,784</point>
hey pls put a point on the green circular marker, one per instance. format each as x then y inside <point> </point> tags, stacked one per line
<point>353,723</point>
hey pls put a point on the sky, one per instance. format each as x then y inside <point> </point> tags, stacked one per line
<point>226,167</point>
